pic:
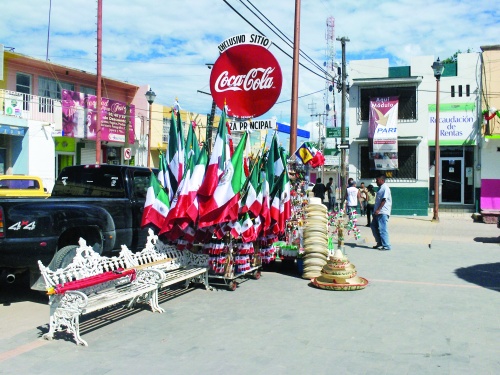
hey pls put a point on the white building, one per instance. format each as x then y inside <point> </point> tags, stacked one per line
<point>412,184</point>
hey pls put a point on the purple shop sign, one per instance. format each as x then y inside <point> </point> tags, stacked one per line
<point>80,117</point>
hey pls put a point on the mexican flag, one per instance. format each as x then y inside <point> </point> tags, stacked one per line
<point>184,198</point>
<point>218,160</point>
<point>192,148</point>
<point>247,229</point>
<point>285,204</point>
<point>252,201</point>
<point>274,164</point>
<point>157,204</point>
<point>275,205</point>
<point>223,206</point>
<point>265,212</point>
<point>180,146</point>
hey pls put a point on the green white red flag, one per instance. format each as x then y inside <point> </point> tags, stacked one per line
<point>157,204</point>
<point>223,205</point>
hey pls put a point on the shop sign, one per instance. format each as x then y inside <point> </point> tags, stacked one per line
<point>80,117</point>
<point>246,77</point>
<point>240,126</point>
<point>456,123</point>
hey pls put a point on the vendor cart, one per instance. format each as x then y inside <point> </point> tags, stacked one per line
<point>230,281</point>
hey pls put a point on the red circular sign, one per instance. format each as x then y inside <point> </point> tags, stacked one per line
<point>248,79</point>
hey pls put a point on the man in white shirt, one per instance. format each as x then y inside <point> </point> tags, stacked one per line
<point>382,211</point>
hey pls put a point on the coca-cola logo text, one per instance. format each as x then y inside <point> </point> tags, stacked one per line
<point>247,78</point>
<point>255,79</point>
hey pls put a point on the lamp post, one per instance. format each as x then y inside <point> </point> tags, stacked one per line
<point>150,96</point>
<point>438,68</point>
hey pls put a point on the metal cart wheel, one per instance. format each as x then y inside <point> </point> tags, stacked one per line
<point>257,275</point>
<point>232,286</point>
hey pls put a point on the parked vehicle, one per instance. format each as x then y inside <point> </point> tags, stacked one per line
<point>101,203</point>
<point>17,186</point>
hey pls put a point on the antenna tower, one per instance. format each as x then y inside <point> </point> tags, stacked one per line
<point>329,97</point>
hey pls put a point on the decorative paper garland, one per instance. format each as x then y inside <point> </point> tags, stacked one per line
<point>489,114</point>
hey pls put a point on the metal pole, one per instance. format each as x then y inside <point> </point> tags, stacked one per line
<point>149,134</point>
<point>127,130</point>
<point>343,166</point>
<point>295,80</point>
<point>99,89</point>
<point>436,158</point>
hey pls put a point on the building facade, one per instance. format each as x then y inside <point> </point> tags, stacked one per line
<point>46,117</point>
<point>414,86</point>
<point>490,130</point>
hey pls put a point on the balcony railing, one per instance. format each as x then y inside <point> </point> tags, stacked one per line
<point>30,107</point>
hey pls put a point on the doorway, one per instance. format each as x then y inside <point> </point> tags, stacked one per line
<point>452,180</point>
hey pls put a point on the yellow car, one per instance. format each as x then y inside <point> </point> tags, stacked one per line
<point>14,186</point>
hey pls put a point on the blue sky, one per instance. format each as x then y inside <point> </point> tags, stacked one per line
<point>166,44</point>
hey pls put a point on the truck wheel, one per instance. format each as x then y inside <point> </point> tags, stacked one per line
<point>63,257</point>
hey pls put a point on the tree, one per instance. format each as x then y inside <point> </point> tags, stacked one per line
<point>453,59</point>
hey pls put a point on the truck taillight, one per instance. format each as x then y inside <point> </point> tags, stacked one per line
<point>2,232</point>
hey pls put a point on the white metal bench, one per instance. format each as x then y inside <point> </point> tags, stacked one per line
<point>178,266</point>
<point>67,306</point>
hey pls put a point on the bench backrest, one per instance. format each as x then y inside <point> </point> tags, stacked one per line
<point>86,263</point>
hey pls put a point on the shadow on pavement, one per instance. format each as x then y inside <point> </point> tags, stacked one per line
<point>484,275</point>
<point>20,291</point>
<point>487,239</point>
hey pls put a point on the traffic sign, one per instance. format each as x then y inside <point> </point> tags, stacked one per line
<point>343,146</point>
<point>127,153</point>
<point>336,132</point>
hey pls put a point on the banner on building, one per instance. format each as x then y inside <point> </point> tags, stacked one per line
<point>383,133</point>
<point>80,117</point>
<point>457,122</point>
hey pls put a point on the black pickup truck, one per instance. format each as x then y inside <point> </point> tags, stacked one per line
<point>101,203</point>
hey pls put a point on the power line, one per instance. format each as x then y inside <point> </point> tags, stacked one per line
<point>247,21</point>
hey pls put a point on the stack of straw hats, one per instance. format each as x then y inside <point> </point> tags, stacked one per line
<point>339,274</point>
<point>315,238</point>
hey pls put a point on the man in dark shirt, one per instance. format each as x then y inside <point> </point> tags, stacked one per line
<point>319,189</point>
<point>330,193</point>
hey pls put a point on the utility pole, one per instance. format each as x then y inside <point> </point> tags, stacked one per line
<point>343,166</point>
<point>295,80</point>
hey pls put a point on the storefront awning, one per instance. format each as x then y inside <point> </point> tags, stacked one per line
<point>12,130</point>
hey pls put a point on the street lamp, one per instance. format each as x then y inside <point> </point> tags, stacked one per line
<point>438,68</point>
<point>150,96</point>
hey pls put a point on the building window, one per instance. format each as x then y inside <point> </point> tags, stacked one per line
<point>407,109</point>
<point>467,90</point>
<point>460,91</point>
<point>407,160</point>
<point>452,91</point>
<point>49,89</point>
<point>23,85</point>
<point>88,90</point>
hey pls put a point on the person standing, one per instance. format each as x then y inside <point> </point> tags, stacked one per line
<point>319,190</point>
<point>370,204</point>
<point>331,194</point>
<point>362,198</point>
<point>382,211</point>
<point>352,196</point>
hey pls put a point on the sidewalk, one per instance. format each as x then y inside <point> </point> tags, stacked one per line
<point>432,307</point>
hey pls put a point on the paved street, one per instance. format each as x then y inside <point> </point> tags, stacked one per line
<point>432,307</point>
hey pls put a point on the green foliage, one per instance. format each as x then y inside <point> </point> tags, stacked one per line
<point>453,58</point>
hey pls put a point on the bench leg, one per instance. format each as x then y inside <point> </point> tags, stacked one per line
<point>153,302</point>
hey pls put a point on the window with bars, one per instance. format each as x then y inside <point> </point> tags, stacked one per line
<point>49,89</point>
<point>407,161</point>
<point>407,108</point>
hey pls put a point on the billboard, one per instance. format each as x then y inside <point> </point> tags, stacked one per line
<point>383,133</point>
<point>80,117</point>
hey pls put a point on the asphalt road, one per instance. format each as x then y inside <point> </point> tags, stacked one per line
<point>432,307</point>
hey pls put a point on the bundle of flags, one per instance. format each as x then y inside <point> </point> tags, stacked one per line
<point>196,196</point>
<point>308,154</point>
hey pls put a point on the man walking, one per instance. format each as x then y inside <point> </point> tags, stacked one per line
<point>331,194</point>
<point>382,211</point>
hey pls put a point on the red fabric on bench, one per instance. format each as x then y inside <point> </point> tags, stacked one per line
<point>92,280</point>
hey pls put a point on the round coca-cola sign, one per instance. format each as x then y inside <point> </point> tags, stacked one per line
<point>247,78</point>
